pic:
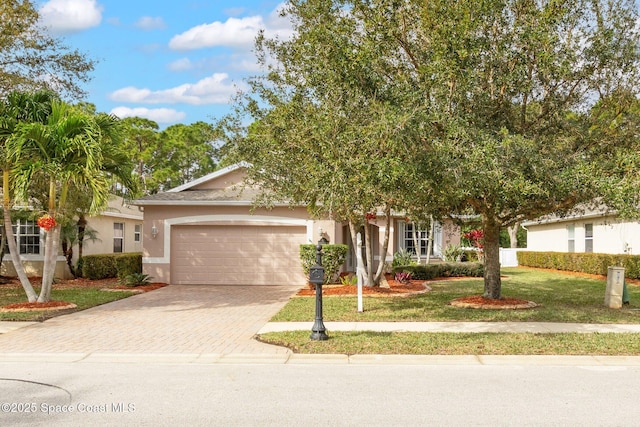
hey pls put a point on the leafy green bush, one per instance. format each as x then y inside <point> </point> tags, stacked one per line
<point>402,257</point>
<point>453,253</point>
<point>581,262</point>
<point>136,279</point>
<point>129,263</point>
<point>103,266</point>
<point>333,257</point>
<point>451,269</point>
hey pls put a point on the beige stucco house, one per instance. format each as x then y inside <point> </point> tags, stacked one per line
<point>596,230</point>
<point>118,229</point>
<point>209,232</point>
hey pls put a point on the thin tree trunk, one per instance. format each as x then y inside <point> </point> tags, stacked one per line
<point>513,234</point>
<point>416,241</point>
<point>67,250</point>
<point>368,255</point>
<point>385,247</point>
<point>11,241</point>
<point>430,237</point>
<point>492,281</point>
<point>82,226</point>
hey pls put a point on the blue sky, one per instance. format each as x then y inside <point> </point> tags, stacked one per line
<point>169,61</point>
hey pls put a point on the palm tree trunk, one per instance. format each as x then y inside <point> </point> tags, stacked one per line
<point>50,258</point>
<point>11,241</point>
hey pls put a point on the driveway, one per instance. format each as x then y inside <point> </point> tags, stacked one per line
<point>176,319</point>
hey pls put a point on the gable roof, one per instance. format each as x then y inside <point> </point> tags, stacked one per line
<point>209,177</point>
<point>198,193</point>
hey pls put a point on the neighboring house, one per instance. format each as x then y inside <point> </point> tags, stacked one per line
<point>118,229</point>
<point>208,231</point>
<point>591,231</point>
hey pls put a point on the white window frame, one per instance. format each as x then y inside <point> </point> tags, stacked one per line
<point>571,238</point>
<point>405,238</point>
<point>588,237</point>
<point>137,234</point>
<point>118,236</point>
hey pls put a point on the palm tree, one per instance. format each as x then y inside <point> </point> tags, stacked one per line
<point>71,149</point>
<point>17,108</point>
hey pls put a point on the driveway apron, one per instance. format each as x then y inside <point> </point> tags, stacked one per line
<point>174,319</point>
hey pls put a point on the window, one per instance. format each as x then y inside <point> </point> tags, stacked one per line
<point>137,233</point>
<point>27,234</point>
<point>588,237</point>
<point>28,237</point>
<point>571,230</point>
<point>118,237</point>
<point>412,238</point>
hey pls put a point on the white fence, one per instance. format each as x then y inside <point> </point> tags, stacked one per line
<point>508,257</point>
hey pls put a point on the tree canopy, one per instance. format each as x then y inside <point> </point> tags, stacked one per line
<point>171,157</point>
<point>505,109</point>
<point>31,59</point>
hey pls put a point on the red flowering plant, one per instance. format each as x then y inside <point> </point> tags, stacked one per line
<point>370,216</point>
<point>47,222</point>
<point>476,238</point>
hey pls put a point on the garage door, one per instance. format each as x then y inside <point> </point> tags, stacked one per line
<point>234,255</point>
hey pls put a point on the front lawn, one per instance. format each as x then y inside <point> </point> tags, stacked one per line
<point>561,298</point>
<point>83,293</point>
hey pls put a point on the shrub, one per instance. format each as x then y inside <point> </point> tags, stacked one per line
<point>96,267</point>
<point>136,279</point>
<point>591,263</point>
<point>128,264</point>
<point>453,253</point>
<point>349,280</point>
<point>403,276</point>
<point>452,269</point>
<point>333,257</point>
<point>402,257</point>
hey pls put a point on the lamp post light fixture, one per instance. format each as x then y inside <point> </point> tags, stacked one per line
<point>316,276</point>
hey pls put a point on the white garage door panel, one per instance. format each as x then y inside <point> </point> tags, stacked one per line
<point>229,255</point>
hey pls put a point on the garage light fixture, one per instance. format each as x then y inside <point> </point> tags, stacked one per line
<point>154,231</point>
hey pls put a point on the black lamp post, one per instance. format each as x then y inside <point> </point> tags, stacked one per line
<point>316,276</point>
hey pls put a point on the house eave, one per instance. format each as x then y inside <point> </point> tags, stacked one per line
<point>201,203</point>
<point>569,218</point>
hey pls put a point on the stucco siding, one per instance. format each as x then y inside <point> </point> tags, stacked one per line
<point>610,235</point>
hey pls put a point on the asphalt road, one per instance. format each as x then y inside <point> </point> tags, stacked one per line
<point>97,394</point>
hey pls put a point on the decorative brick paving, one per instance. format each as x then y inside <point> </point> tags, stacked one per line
<point>174,319</point>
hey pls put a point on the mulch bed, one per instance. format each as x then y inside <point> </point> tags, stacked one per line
<point>394,288</point>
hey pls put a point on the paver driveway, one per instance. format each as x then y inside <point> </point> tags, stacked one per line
<point>174,319</point>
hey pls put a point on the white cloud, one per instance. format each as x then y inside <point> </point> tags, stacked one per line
<point>233,32</point>
<point>70,16</point>
<point>158,115</point>
<point>182,64</point>
<point>211,90</point>
<point>149,23</point>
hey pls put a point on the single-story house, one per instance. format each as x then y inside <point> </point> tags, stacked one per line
<point>117,229</point>
<point>595,230</point>
<point>208,231</point>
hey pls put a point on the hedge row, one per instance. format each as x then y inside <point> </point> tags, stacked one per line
<point>581,262</point>
<point>105,266</point>
<point>450,269</point>
<point>333,256</point>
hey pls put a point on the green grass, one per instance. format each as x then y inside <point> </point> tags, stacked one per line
<point>83,297</point>
<point>561,298</point>
<point>448,343</point>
